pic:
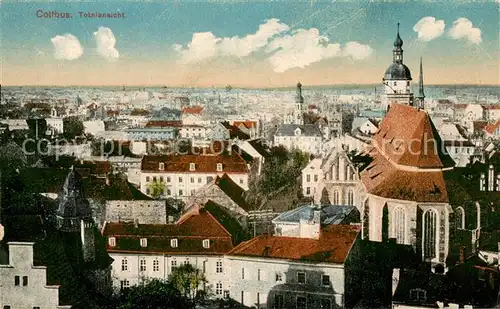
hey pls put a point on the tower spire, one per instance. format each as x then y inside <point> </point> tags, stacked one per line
<point>398,50</point>
<point>299,98</point>
<point>421,95</point>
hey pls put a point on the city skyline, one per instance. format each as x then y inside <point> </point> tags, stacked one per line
<point>270,45</point>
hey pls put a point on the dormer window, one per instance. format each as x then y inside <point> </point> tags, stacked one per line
<point>144,242</point>
<point>192,166</point>
<point>161,166</point>
<point>112,241</point>
<point>206,243</point>
<point>173,243</point>
<point>219,167</point>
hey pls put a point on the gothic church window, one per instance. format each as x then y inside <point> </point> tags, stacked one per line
<point>430,234</point>
<point>399,222</point>
<point>460,218</point>
<point>350,197</point>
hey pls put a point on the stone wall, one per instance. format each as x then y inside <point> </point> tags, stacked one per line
<point>146,212</point>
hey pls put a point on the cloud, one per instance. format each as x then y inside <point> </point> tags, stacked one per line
<point>66,47</point>
<point>357,51</point>
<point>428,28</point>
<point>462,28</point>
<point>205,44</point>
<point>105,40</point>
<point>305,47</point>
<point>284,49</point>
<point>300,49</point>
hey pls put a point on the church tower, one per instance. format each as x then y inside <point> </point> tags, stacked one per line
<point>74,215</point>
<point>419,99</point>
<point>397,78</point>
<point>298,113</point>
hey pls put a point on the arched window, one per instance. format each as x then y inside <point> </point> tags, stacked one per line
<point>399,223</point>
<point>460,218</point>
<point>430,234</point>
<point>350,197</point>
<point>336,200</point>
<point>385,223</point>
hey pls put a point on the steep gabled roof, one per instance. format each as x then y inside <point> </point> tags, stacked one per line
<point>233,191</point>
<point>189,231</point>
<point>408,137</point>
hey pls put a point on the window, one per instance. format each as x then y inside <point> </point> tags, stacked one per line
<point>301,278</point>
<point>258,300</point>
<point>258,274</point>
<point>181,193</point>
<point>154,178</point>
<point>6,307</point>
<point>460,218</point>
<point>25,280</point>
<point>124,284</point>
<point>350,197</point>
<point>147,191</point>
<point>192,179</point>
<point>418,295</point>
<point>16,281</point>
<point>173,263</point>
<point>156,265</point>
<point>308,178</point>
<point>430,233</point>
<point>161,166</point>
<point>192,166</point>
<point>144,242</point>
<point>241,181</point>
<point>336,200</point>
<point>301,302</point>
<point>279,277</point>
<point>142,265</point>
<point>326,303</point>
<point>169,192</point>
<point>279,302</point>
<point>209,179</point>
<point>325,279</point>
<point>173,243</point>
<point>218,288</point>
<point>161,178</point>
<point>180,179</point>
<point>219,167</point>
<point>218,268</point>
<point>206,243</point>
<point>242,297</point>
<point>147,179</point>
<point>243,273</point>
<point>315,178</point>
<point>36,307</point>
<point>124,265</point>
<point>308,190</point>
<point>199,179</point>
<point>399,225</point>
<point>168,178</point>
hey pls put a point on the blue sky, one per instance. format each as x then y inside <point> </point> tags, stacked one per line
<point>144,42</point>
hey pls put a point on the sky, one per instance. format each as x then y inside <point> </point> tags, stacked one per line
<point>256,44</point>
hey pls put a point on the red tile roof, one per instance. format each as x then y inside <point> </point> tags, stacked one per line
<point>490,128</point>
<point>493,106</point>
<point>247,124</point>
<point>192,110</point>
<point>333,246</point>
<point>231,163</point>
<point>382,179</point>
<point>190,231</point>
<point>408,137</point>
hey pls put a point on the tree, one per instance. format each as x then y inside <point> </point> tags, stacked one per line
<point>72,127</point>
<point>156,188</point>
<point>188,280</point>
<point>152,294</point>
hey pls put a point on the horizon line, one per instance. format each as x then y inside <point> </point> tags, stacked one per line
<point>235,86</point>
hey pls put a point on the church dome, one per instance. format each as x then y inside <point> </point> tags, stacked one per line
<point>397,71</point>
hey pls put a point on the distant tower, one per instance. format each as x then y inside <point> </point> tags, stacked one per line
<point>74,214</point>
<point>397,78</point>
<point>419,102</point>
<point>298,112</point>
